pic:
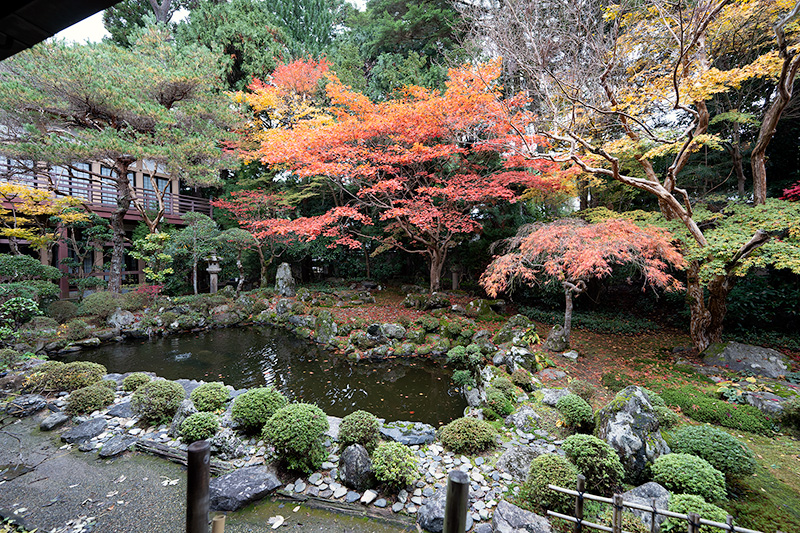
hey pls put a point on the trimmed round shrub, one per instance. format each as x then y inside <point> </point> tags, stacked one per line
<point>576,411</point>
<point>655,399</point>
<point>667,418</point>
<point>88,399</point>
<point>68,377</point>
<point>549,469</point>
<point>134,381</point>
<point>253,408</point>
<point>297,432</point>
<point>721,450</point>
<point>701,407</point>
<point>596,460</point>
<point>101,304</point>
<point>156,402</point>
<point>498,402</point>
<point>395,465</point>
<point>359,427</point>
<point>75,330</point>
<point>110,384</point>
<point>62,310</point>
<point>8,357</point>
<point>522,379</point>
<point>210,396</point>
<point>199,426</point>
<point>791,413</point>
<point>505,386</point>
<point>682,473</point>
<point>468,435</point>
<point>39,323</point>
<point>582,388</point>
<point>690,503</point>
<point>630,522</point>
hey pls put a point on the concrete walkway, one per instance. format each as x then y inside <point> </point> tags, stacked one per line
<point>70,491</point>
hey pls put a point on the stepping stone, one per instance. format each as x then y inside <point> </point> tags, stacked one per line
<point>117,445</point>
<point>338,493</point>
<point>83,432</point>
<point>397,507</point>
<point>53,421</point>
<point>352,496</point>
<point>380,503</point>
<point>368,497</point>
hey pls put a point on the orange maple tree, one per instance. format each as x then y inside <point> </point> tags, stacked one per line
<point>571,252</point>
<point>421,165</point>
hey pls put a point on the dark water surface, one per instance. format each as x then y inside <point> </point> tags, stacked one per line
<point>397,389</point>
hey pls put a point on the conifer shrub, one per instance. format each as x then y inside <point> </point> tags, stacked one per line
<point>597,461</point>
<point>576,411</point>
<point>88,399</point>
<point>296,431</point>
<point>156,402</point>
<point>691,503</point>
<point>210,396</point>
<point>62,310</point>
<point>67,377</point>
<point>359,427</point>
<point>681,473</point>
<point>394,464</point>
<point>75,330</point>
<point>468,435</point>
<point>703,408</point>
<point>549,469</point>
<point>505,386</point>
<point>134,381</point>
<point>723,451</point>
<point>199,426</point>
<point>522,379</point>
<point>497,403</point>
<point>110,384</point>
<point>463,378</point>
<point>253,408</point>
<point>101,304</point>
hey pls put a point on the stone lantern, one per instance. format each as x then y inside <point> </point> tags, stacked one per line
<point>213,270</point>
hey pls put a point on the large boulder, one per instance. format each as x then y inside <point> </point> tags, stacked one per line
<point>121,319</point>
<point>185,410</point>
<point>53,421</point>
<point>481,309</point>
<point>227,445</point>
<point>284,282</point>
<point>629,425</point>
<point>551,396</point>
<point>325,327</point>
<point>393,331</point>
<point>768,403</point>
<point>355,468</point>
<point>430,516</point>
<point>26,405</point>
<point>116,445</point>
<point>746,358</point>
<point>556,340</point>
<point>513,330</point>
<point>645,495</point>
<point>525,419</point>
<point>85,431</point>
<point>408,433</point>
<point>508,518</point>
<point>424,302</point>
<point>240,487</point>
<point>517,461</point>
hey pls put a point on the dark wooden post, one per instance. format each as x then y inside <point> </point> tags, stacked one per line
<point>197,476</point>
<point>694,523</point>
<point>616,521</point>
<point>581,486</point>
<point>457,502</point>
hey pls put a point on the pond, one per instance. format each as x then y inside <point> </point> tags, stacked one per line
<point>396,389</point>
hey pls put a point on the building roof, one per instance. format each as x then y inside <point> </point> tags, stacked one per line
<point>24,23</point>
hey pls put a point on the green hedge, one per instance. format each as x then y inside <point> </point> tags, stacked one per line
<point>703,408</point>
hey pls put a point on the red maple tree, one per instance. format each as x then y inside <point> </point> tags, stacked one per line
<point>423,165</point>
<point>792,193</point>
<point>571,252</point>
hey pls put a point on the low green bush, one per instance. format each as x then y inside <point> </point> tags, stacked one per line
<point>597,461</point>
<point>522,379</point>
<point>549,469</point>
<point>210,396</point>
<point>17,311</point>
<point>791,413</point>
<point>395,465</point>
<point>41,325</point>
<point>468,435</point>
<point>296,431</point>
<point>75,330</point>
<point>110,384</point>
<point>582,388</point>
<point>681,473</point>
<point>199,426</point>
<point>359,427</point>
<point>8,357</point>
<point>460,357</point>
<point>723,451</point>
<point>703,408</point>
<point>40,291</point>
<point>498,402</point>
<point>101,304</point>
<point>615,380</point>
<point>88,399</point>
<point>667,418</point>
<point>62,310</point>
<point>67,377</point>
<point>253,408</point>
<point>156,402</point>
<point>505,386</point>
<point>463,378</point>
<point>134,381</point>
<point>630,522</point>
<point>691,503</point>
<point>576,411</point>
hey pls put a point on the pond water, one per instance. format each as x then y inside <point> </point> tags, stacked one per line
<point>395,389</point>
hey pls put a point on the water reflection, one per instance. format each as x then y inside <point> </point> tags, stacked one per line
<point>399,389</point>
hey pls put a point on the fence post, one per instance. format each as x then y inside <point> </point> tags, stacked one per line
<point>197,476</point>
<point>457,502</point>
<point>581,486</point>
<point>218,524</point>
<point>616,521</point>
<point>694,523</point>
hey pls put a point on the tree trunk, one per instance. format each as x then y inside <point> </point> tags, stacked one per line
<point>437,265</point>
<point>738,164</point>
<point>567,313</point>
<point>161,11</point>
<point>194,275</point>
<point>240,267</point>
<point>707,315</point>
<point>14,245</point>
<point>118,225</point>
<point>366,262</point>
<point>262,261</point>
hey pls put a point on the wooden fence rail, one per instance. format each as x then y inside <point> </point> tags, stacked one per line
<point>693,520</point>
